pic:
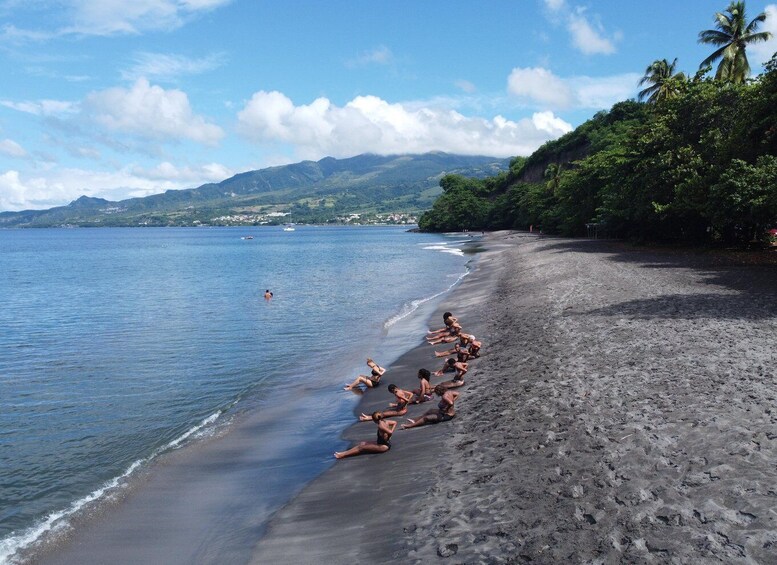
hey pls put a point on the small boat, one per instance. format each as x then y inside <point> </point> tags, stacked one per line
<point>247,237</point>
<point>288,227</point>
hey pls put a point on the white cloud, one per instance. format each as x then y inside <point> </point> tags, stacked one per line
<point>763,52</point>
<point>370,124</point>
<point>109,17</point>
<point>34,194</point>
<point>540,87</point>
<point>11,34</point>
<point>149,112</point>
<point>600,93</point>
<point>11,148</point>
<point>57,186</point>
<point>587,39</point>
<point>547,122</point>
<point>587,36</point>
<point>379,56</point>
<point>41,107</point>
<point>465,85</point>
<point>555,5</point>
<point>168,67</point>
<point>168,172</point>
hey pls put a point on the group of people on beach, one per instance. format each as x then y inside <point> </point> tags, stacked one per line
<point>465,348</point>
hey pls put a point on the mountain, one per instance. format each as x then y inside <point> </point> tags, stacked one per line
<point>366,187</point>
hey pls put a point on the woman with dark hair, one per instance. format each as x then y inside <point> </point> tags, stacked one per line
<point>447,319</point>
<point>442,413</point>
<point>424,391</point>
<point>460,353</point>
<point>449,333</point>
<point>398,408</point>
<point>453,365</point>
<point>380,445</point>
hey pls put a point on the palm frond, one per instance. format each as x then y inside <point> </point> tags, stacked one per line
<point>760,18</point>
<point>714,57</point>
<point>714,36</point>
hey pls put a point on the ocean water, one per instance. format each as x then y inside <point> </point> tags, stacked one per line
<point>120,345</point>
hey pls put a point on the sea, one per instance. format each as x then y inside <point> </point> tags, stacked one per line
<point>119,346</point>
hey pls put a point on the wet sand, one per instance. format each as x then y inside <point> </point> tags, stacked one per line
<point>623,412</point>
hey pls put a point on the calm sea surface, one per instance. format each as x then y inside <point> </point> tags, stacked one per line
<point>118,345</point>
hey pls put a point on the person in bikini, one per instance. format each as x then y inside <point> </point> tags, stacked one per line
<point>461,353</point>
<point>424,391</point>
<point>448,319</point>
<point>452,334</point>
<point>442,413</point>
<point>398,408</point>
<point>380,445</point>
<point>472,344</point>
<point>370,381</point>
<point>453,365</point>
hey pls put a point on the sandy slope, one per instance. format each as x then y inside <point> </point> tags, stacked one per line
<point>624,413</point>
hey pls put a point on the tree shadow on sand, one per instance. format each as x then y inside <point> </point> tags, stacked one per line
<point>742,290</point>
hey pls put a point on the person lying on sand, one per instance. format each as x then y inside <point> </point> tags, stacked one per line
<point>370,381</point>
<point>442,413</point>
<point>458,379</point>
<point>448,320</point>
<point>461,353</point>
<point>424,391</point>
<point>452,335</point>
<point>453,365</point>
<point>472,344</point>
<point>398,408</point>
<point>380,445</point>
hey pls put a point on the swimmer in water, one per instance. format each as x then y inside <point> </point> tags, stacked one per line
<point>267,294</point>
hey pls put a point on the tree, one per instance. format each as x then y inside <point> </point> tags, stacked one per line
<point>553,176</point>
<point>733,36</point>
<point>662,79</point>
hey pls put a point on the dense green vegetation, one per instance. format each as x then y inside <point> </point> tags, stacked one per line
<point>694,163</point>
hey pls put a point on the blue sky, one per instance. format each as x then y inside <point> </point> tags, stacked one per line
<point>118,98</point>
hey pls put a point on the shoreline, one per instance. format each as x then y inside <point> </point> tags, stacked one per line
<point>622,412</point>
<point>358,510</point>
<point>210,500</point>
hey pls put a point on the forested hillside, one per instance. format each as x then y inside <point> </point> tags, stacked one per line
<point>695,162</point>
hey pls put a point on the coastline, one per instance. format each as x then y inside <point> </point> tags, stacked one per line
<point>361,509</point>
<point>209,501</point>
<point>622,412</point>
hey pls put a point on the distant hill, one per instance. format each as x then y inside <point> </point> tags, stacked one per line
<point>366,188</point>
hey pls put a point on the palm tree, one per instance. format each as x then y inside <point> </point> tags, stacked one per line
<point>553,176</point>
<point>662,79</point>
<point>733,35</point>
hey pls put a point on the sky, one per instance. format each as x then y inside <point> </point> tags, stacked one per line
<point>118,99</point>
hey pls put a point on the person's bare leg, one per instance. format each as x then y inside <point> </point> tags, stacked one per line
<point>363,447</point>
<point>359,379</point>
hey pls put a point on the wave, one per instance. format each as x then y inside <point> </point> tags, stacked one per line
<point>58,521</point>
<point>410,307</point>
<point>445,249</point>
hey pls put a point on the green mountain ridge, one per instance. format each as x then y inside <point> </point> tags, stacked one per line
<point>329,190</point>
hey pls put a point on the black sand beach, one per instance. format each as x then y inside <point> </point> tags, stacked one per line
<point>623,411</point>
